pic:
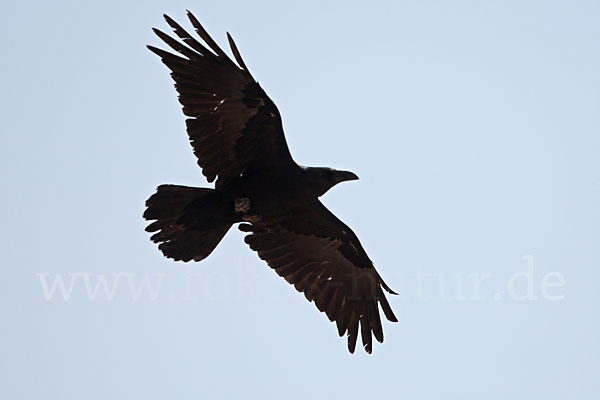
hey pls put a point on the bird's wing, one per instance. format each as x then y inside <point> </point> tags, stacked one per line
<point>233,126</point>
<point>317,253</point>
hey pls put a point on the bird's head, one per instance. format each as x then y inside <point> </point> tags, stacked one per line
<point>323,179</point>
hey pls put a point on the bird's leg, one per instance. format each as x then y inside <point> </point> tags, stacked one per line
<point>241,204</point>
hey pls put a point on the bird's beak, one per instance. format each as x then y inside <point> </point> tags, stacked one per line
<point>346,176</point>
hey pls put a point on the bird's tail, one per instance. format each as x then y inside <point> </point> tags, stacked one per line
<point>190,222</point>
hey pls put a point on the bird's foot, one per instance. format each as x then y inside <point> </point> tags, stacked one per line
<point>252,218</point>
<point>241,204</point>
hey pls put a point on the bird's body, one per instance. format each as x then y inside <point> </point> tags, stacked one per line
<point>237,134</point>
<point>270,192</point>
<point>276,191</point>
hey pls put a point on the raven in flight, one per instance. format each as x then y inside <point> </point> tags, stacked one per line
<point>237,135</point>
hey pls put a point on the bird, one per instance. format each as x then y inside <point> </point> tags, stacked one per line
<point>237,136</point>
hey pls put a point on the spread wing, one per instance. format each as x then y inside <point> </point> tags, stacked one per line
<point>317,253</point>
<point>233,126</point>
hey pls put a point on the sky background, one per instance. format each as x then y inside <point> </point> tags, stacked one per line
<point>473,125</point>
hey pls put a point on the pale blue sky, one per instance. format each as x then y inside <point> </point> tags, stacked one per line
<point>475,129</point>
